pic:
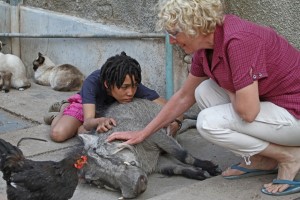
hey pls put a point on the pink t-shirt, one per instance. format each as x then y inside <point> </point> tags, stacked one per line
<point>245,52</point>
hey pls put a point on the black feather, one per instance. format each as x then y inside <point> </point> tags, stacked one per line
<point>37,180</point>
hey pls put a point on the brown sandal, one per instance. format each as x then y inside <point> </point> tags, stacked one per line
<point>55,107</point>
<point>48,118</point>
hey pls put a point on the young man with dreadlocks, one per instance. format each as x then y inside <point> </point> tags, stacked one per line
<point>119,79</point>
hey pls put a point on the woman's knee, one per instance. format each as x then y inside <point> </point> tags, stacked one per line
<point>210,125</point>
<point>209,94</point>
<point>202,121</point>
<point>200,93</point>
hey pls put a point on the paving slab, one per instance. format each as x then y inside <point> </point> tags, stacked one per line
<point>34,102</point>
<point>31,103</point>
<point>218,188</point>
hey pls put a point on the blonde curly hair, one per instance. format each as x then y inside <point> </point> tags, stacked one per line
<point>193,17</point>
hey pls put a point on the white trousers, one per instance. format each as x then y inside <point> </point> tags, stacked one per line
<point>221,125</point>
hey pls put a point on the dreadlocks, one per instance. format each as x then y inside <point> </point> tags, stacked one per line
<point>117,67</point>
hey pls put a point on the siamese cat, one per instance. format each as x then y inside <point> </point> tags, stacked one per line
<point>14,67</point>
<point>5,81</point>
<point>63,77</point>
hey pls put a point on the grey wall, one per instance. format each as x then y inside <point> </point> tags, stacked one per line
<point>136,15</point>
<point>5,23</point>
<point>87,54</point>
<point>283,15</point>
<point>139,15</point>
<point>120,16</point>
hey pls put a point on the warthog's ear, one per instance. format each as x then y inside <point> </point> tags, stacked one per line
<point>40,54</point>
<point>89,141</point>
<point>121,146</point>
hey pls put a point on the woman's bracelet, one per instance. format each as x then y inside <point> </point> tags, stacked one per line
<point>179,123</point>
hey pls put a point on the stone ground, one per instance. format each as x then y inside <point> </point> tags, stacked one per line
<point>21,115</point>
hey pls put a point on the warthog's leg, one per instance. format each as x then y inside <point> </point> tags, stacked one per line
<point>172,147</point>
<point>169,166</point>
<point>187,124</point>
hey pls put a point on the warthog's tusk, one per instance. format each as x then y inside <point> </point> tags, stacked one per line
<point>127,163</point>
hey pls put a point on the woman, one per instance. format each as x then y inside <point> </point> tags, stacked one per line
<point>118,80</point>
<point>245,79</point>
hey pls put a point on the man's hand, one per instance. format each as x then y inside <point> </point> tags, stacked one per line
<point>131,137</point>
<point>105,124</point>
<point>173,128</point>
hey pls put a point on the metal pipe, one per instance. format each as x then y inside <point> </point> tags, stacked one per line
<point>15,2</point>
<point>15,25</point>
<point>169,68</point>
<point>106,35</point>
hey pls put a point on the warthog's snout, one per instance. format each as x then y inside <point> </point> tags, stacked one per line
<point>142,184</point>
<point>133,182</point>
<point>113,165</point>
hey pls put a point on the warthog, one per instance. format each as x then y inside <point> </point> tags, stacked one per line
<point>125,167</point>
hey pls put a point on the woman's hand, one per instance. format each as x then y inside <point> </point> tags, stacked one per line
<point>131,137</point>
<point>105,124</point>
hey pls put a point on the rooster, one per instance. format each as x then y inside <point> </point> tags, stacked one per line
<point>38,180</point>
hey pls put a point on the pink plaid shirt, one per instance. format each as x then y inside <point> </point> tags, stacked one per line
<point>245,52</point>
